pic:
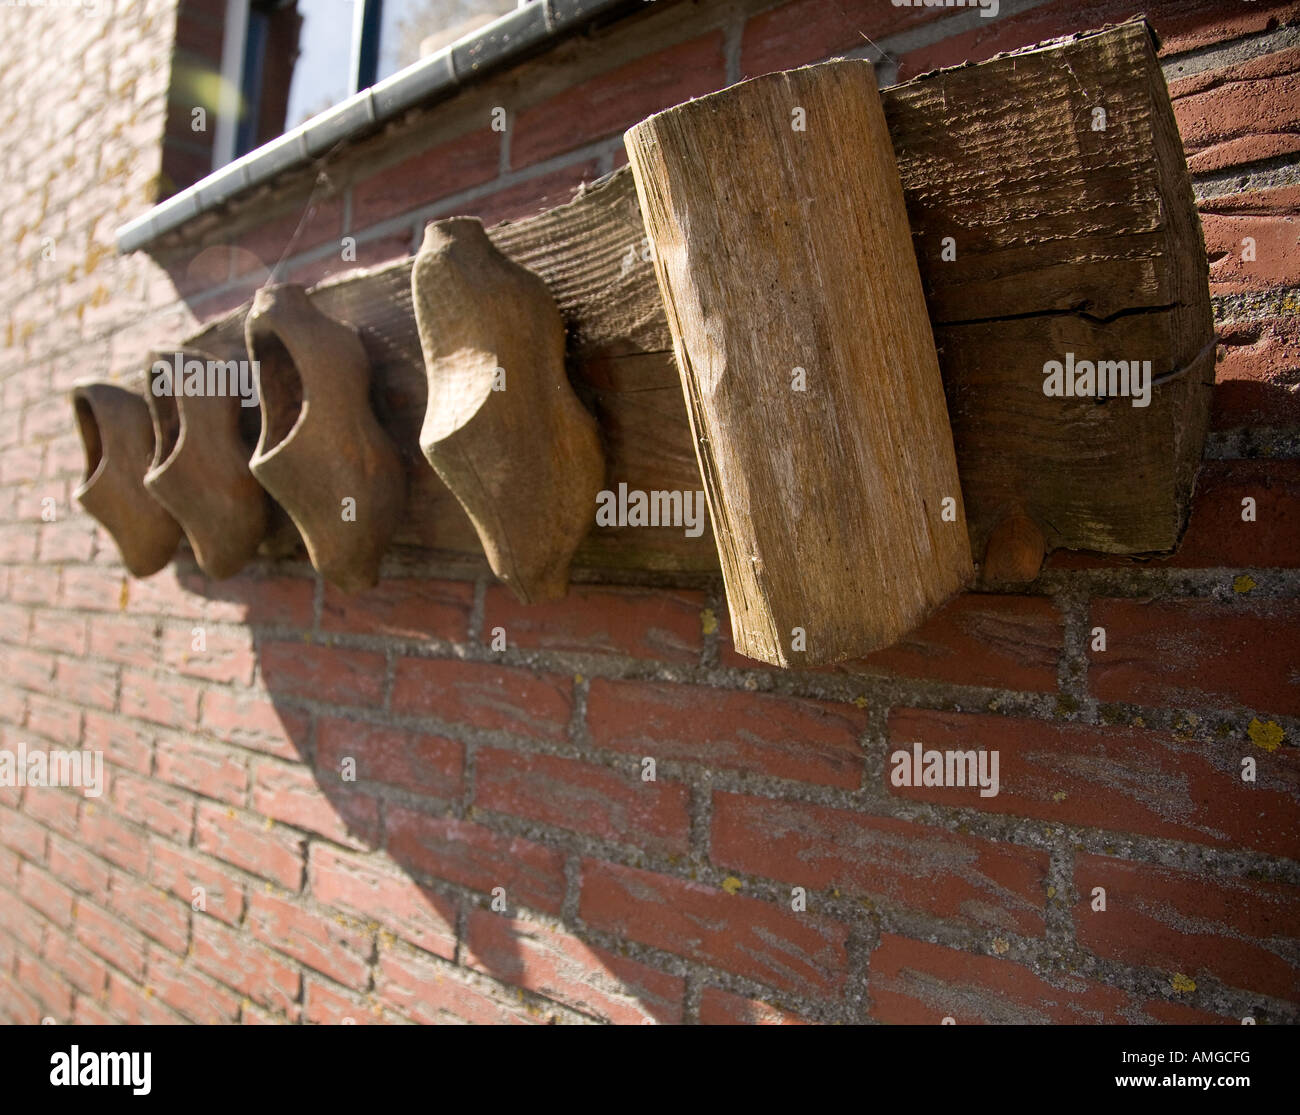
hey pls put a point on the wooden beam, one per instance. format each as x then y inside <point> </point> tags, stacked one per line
<point>1067,239</point>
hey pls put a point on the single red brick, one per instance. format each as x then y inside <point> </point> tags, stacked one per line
<point>168,594</point>
<point>9,862</point>
<point>226,656</point>
<point>1242,932</point>
<point>1250,253</point>
<point>67,541</point>
<point>1258,361</point>
<point>89,684</point>
<point>533,196</point>
<point>431,993</point>
<point>91,1012</point>
<point>194,879</point>
<point>1118,778</point>
<point>13,706</point>
<point>403,608</point>
<point>20,1008</point>
<point>635,622</point>
<point>295,230</point>
<point>1181,25</point>
<point>275,601</point>
<point>394,902</point>
<point>245,966</point>
<point>1216,107</point>
<point>722,1008</point>
<point>75,866</point>
<point>326,944</point>
<point>251,719</point>
<point>1004,642</point>
<point>324,1005</point>
<point>204,768</point>
<point>50,630</point>
<point>88,588</point>
<point>123,744</point>
<point>1190,653</point>
<point>23,835</point>
<point>810,30</point>
<point>43,893</point>
<point>129,640</point>
<point>173,702</point>
<point>1216,535</point>
<point>270,851</point>
<point>483,695</point>
<point>426,177</point>
<point>190,994</point>
<point>113,838</point>
<point>45,419</point>
<point>78,965</point>
<point>25,924</point>
<point>48,988</point>
<point>580,796</point>
<point>788,951</point>
<point>29,668</point>
<point>371,251</point>
<point>476,857</point>
<point>1242,151</point>
<point>55,808</point>
<point>288,792</point>
<point>156,914</point>
<point>564,968</point>
<point>424,764</point>
<point>333,674</point>
<point>135,1006</point>
<point>110,939</point>
<point>617,99</point>
<point>58,721</point>
<point>917,983</point>
<point>166,811</point>
<point>22,462</point>
<point>967,879</point>
<point>39,584</point>
<point>786,737</point>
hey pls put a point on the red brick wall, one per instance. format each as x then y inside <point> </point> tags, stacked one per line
<point>625,900</point>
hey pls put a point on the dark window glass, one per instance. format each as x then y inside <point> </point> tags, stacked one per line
<point>297,62</point>
<point>303,56</point>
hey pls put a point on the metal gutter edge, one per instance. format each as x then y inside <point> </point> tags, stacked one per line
<point>489,48</point>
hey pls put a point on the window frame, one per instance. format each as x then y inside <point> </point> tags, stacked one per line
<point>236,73</point>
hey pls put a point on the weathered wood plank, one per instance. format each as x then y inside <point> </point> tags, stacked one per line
<point>1067,198</point>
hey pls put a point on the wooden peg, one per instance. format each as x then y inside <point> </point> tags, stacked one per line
<point>117,436</point>
<point>200,467</point>
<point>785,261</point>
<point>322,454</point>
<point>502,426</point>
<point>1014,553</point>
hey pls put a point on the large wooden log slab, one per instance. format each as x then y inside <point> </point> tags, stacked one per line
<point>1066,240</point>
<point>1067,198</point>
<point>785,262</point>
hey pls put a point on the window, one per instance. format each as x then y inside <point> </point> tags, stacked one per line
<point>284,61</point>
